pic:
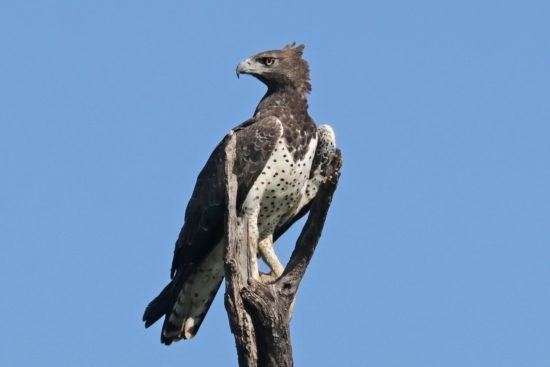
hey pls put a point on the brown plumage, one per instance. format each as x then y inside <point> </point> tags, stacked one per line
<point>277,161</point>
<point>289,69</point>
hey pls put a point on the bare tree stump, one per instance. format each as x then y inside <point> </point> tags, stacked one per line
<point>259,314</point>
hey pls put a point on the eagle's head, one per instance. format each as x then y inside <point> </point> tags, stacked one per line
<point>279,68</point>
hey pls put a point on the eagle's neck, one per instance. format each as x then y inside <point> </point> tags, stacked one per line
<point>283,101</point>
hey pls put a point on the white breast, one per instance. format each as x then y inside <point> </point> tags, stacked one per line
<point>279,187</point>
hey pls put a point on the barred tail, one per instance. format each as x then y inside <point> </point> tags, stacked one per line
<point>184,310</point>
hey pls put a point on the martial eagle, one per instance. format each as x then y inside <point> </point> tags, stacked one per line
<point>281,156</point>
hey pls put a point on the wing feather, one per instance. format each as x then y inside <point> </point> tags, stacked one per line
<point>203,227</point>
<point>204,216</point>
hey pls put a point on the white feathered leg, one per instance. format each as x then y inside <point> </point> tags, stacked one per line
<point>252,234</point>
<point>270,257</point>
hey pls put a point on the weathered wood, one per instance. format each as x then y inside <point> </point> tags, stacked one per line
<point>259,314</point>
<point>236,268</point>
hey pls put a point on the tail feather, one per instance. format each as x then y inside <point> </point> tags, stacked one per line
<point>159,306</point>
<point>188,312</point>
<point>185,302</point>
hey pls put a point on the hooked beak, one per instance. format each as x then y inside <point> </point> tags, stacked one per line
<point>245,67</point>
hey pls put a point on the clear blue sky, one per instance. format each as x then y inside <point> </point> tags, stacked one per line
<point>436,251</point>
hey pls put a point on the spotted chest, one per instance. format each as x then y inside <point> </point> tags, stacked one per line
<point>280,186</point>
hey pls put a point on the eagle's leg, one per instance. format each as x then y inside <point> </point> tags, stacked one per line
<point>267,252</point>
<point>270,257</point>
<point>252,234</point>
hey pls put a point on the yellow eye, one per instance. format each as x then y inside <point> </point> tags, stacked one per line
<point>269,61</point>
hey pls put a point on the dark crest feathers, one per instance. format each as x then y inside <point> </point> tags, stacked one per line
<point>300,72</point>
<point>299,50</point>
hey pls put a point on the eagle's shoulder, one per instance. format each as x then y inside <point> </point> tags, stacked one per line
<point>326,146</point>
<point>255,145</point>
